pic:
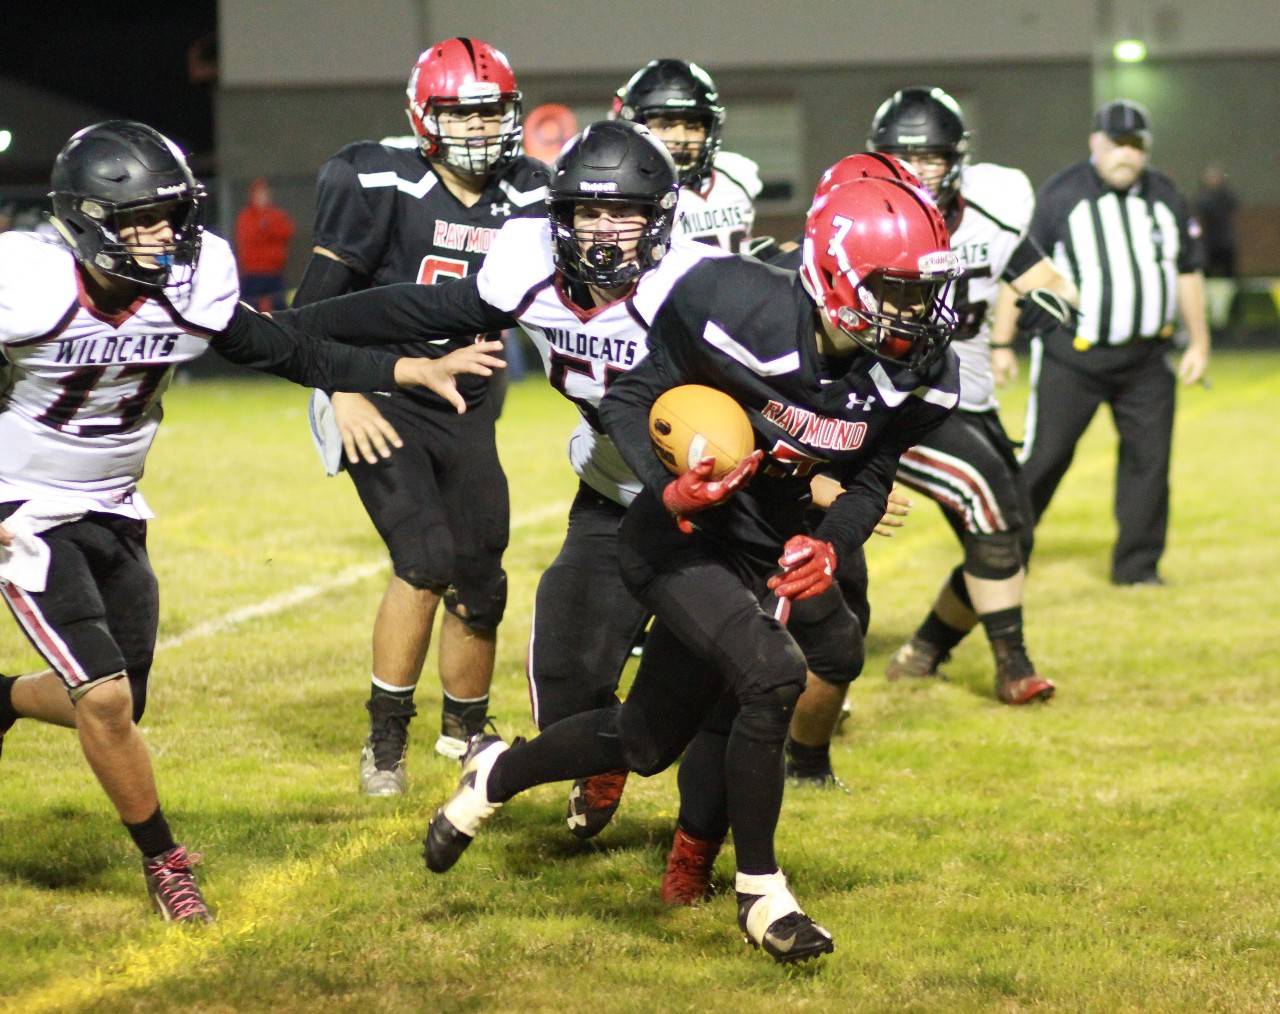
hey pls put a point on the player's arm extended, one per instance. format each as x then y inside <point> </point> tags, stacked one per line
<point>260,343</point>
<point>399,313</point>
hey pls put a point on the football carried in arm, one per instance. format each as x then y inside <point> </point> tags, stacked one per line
<point>692,422</point>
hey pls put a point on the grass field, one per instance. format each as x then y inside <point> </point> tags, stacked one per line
<point>1118,849</point>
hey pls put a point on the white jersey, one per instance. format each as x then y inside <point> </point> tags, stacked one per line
<point>722,211</point>
<point>79,391</point>
<point>582,351</point>
<point>998,203</point>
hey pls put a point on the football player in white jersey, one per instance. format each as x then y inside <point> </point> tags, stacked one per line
<point>967,465</point>
<point>92,325</point>
<point>679,103</point>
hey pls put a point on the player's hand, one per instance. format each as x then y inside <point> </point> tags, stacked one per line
<point>366,434</point>
<point>6,536</point>
<point>808,568</point>
<point>898,507</point>
<point>696,490</point>
<point>440,375</point>
<point>1043,311</point>
<point>1004,366</point>
<point>1193,365</point>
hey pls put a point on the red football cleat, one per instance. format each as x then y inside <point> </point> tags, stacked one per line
<point>1025,690</point>
<point>687,878</point>
<point>593,802</point>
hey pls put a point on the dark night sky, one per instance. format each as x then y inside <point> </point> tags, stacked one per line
<point>128,59</point>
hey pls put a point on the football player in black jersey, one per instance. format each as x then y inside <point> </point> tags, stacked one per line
<point>93,323</point>
<point>840,370</point>
<point>394,214</point>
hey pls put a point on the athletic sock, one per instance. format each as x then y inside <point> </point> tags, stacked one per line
<point>937,632</point>
<point>152,836</point>
<point>468,712</point>
<point>808,760</point>
<point>575,747</point>
<point>1004,631</point>
<point>703,811</point>
<point>389,691</point>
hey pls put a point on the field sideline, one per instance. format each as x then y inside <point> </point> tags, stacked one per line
<point>1116,850</point>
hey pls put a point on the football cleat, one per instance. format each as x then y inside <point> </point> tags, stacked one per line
<point>172,886</point>
<point>773,921</point>
<point>827,779</point>
<point>1024,690</point>
<point>687,878</point>
<point>456,731</point>
<point>1017,681</point>
<point>593,802</point>
<point>846,712</point>
<point>382,760</point>
<point>455,824</point>
<point>916,658</point>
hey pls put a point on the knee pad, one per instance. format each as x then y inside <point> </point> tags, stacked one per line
<point>765,717</point>
<point>994,557</point>
<point>832,641</point>
<point>137,673</point>
<point>478,595</point>
<point>424,559</point>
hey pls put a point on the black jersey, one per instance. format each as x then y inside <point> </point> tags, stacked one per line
<point>747,329</point>
<point>386,213</point>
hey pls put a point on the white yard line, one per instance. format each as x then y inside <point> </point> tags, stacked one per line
<point>305,593</point>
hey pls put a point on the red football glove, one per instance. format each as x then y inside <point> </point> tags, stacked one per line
<point>696,490</point>
<point>808,568</point>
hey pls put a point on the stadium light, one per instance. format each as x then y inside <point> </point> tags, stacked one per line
<point>6,139</point>
<point>1129,51</point>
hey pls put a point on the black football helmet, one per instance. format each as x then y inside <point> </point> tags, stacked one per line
<point>612,162</point>
<point>924,121</point>
<point>112,171</point>
<point>677,89</point>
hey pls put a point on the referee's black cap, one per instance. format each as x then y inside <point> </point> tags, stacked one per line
<point>1123,118</point>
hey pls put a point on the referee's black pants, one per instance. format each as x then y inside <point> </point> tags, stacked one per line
<point>1137,383</point>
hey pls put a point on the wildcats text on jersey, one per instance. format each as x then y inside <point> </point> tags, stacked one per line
<point>122,348</point>
<point>697,221</point>
<point>973,254</point>
<point>816,430</point>
<point>470,238</point>
<point>594,346</point>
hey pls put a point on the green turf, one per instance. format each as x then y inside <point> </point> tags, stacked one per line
<point>1116,850</point>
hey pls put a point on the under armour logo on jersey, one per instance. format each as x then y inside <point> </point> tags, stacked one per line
<point>500,208</point>
<point>864,403</point>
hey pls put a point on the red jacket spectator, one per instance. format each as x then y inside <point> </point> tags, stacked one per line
<point>263,232</point>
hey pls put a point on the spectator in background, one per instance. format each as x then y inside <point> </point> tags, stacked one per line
<point>1216,205</point>
<point>263,232</point>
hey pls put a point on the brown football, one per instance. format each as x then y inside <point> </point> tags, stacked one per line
<point>692,422</point>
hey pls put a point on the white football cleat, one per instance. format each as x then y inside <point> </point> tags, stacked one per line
<point>455,824</point>
<point>772,919</point>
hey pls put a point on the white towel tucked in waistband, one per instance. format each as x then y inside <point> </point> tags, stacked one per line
<point>26,561</point>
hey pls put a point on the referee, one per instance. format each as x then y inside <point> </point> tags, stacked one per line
<point>1124,235</point>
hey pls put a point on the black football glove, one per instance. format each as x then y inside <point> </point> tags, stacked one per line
<point>1043,312</point>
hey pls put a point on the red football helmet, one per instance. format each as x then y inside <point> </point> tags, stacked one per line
<point>877,260</point>
<point>866,165</point>
<point>462,76</point>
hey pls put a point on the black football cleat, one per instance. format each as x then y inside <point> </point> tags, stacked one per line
<point>455,824</point>
<point>593,802</point>
<point>774,922</point>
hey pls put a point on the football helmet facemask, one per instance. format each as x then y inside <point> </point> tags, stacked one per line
<point>612,162</point>
<point>118,174</point>
<point>465,77</point>
<point>921,122</point>
<point>675,89</point>
<point>877,260</point>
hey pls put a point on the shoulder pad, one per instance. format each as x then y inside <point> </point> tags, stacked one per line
<point>211,298</point>
<point>518,259</point>
<point>741,169</point>
<point>1001,191</point>
<point>683,257</point>
<point>37,284</point>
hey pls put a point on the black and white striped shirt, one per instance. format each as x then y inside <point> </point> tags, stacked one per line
<point>1123,250</point>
